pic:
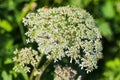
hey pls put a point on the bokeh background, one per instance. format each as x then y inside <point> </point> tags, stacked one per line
<point>107,17</point>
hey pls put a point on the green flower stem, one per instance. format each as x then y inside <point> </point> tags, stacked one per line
<point>19,18</point>
<point>42,69</point>
<point>45,65</point>
<point>32,74</point>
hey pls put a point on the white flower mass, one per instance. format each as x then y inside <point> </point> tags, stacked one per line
<point>65,32</point>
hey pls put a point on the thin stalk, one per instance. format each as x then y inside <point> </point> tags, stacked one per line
<point>22,33</point>
<point>19,19</point>
<point>32,74</point>
<point>44,66</point>
<point>42,69</point>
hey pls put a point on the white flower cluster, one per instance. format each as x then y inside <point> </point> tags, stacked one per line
<point>65,73</point>
<point>24,57</point>
<point>65,31</point>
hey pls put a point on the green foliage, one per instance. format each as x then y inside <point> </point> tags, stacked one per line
<point>7,25</point>
<point>6,76</point>
<point>105,29</point>
<point>106,13</point>
<point>112,71</point>
<point>108,9</point>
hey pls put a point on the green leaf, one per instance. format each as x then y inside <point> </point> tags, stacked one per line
<point>112,70</point>
<point>117,3</point>
<point>6,25</point>
<point>110,65</point>
<point>105,29</point>
<point>80,3</point>
<point>11,5</point>
<point>76,3</point>
<point>12,72</point>
<point>6,76</point>
<point>108,10</point>
<point>9,43</point>
<point>8,61</point>
<point>85,2</point>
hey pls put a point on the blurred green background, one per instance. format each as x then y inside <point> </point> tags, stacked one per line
<point>107,17</point>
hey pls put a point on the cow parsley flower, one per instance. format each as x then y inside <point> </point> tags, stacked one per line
<point>65,73</point>
<point>65,32</point>
<point>24,57</point>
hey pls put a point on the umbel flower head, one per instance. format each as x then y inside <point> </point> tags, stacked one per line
<point>25,57</point>
<point>65,32</point>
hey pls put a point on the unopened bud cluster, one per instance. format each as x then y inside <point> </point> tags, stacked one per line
<point>65,32</point>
